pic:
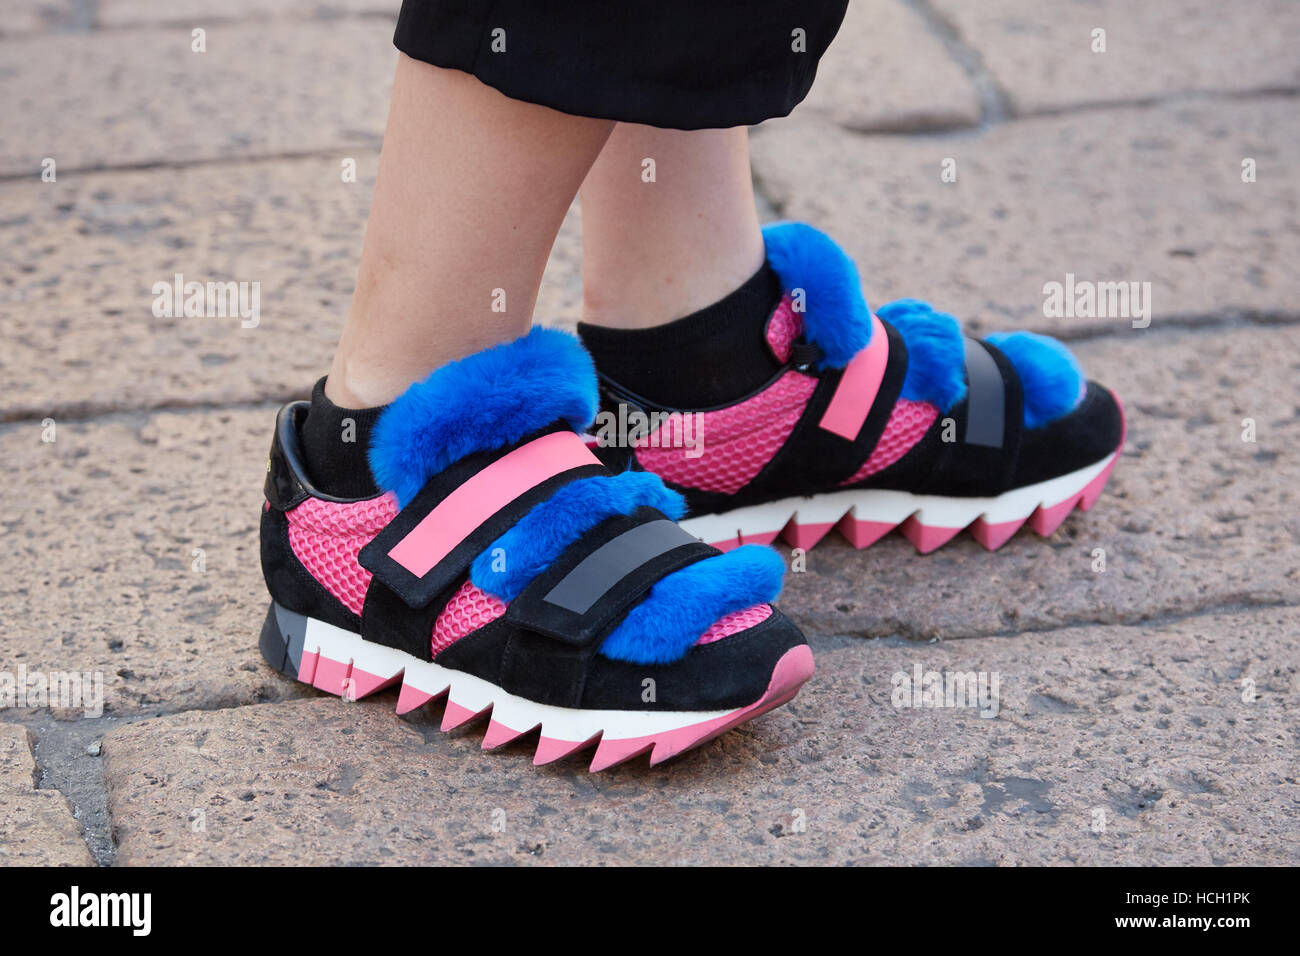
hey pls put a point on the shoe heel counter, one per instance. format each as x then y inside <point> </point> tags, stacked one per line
<point>290,583</point>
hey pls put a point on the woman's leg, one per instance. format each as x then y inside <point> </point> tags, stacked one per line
<point>471,190</point>
<point>657,251</point>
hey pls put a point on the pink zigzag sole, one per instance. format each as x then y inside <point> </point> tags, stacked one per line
<point>352,683</point>
<point>926,538</point>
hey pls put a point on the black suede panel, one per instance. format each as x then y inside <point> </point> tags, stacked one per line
<point>387,619</point>
<point>977,470</point>
<point>732,672</point>
<point>1086,435</point>
<point>290,584</point>
<point>729,673</point>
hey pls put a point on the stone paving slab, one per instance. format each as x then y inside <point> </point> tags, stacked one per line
<point>82,256</point>
<point>141,96</point>
<point>1136,195</point>
<point>887,70</point>
<point>37,827</point>
<point>99,571</point>
<point>1193,517</point>
<point>1162,745</point>
<point>1041,54</point>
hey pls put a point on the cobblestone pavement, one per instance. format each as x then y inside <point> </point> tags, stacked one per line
<point>1148,712</point>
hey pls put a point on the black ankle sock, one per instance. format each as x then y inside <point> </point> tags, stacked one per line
<point>335,464</point>
<point>712,357</point>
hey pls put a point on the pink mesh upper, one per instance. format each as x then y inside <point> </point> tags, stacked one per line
<point>908,422</point>
<point>327,536</point>
<point>469,609</point>
<point>737,441</point>
<point>735,622</point>
<point>783,328</point>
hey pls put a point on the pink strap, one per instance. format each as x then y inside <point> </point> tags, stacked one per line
<point>470,505</point>
<point>858,386</point>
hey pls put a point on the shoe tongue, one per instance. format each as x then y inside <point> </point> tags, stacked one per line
<point>482,402</point>
<point>783,328</point>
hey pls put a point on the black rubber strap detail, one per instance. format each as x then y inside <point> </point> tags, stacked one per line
<point>986,397</point>
<point>963,468</point>
<point>387,619</point>
<point>417,592</point>
<point>603,574</point>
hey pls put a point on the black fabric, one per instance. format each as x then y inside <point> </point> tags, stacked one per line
<point>337,467</point>
<point>1086,435</point>
<point>419,591</point>
<point>970,470</point>
<point>680,64</point>
<point>538,608</point>
<point>813,460</point>
<point>387,619</point>
<point>290,584</point>
<point>712,357</point>
<point>986,405</point>
<point>935,467</point>
<point>724,674</point>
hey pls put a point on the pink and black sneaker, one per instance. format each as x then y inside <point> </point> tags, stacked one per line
<point>503,568</point>
<point>876,422</point>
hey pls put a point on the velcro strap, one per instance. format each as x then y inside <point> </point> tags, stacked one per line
<point>858,386</point>
<point>463,509</point>
<point>986,399</point>
<point>602,575</point>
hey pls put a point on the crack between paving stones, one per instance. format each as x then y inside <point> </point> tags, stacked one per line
<point>59,751</point>
<point>372,144</point>
<point>994,103</point>
<point>1156,619</point>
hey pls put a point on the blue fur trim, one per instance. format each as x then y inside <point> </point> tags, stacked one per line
<point>1050,375</point>
<point>487,400</point>
<point>538,539</point>
<point>836,317</point>
<point>683,605</point>
<point>936,353</point>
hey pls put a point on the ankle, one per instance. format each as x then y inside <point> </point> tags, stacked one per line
<point>713,356</point>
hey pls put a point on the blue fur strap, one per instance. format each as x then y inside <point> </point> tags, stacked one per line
<point>487,400</point>
<point>542,535</point>
<point>685,604</point>
<point>836,317</point>
<point>1051,377</point>
<point>1052,381</point>
<point>936,353</point>
<point>678,609</point>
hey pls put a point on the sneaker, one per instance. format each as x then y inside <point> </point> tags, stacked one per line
<point>504,568</point>
<point>882,421</point>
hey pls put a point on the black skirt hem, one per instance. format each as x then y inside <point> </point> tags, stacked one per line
<point>729,71</point>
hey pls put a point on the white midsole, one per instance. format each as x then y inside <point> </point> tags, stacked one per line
<point>475,694</point>
<point>893,507</point>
